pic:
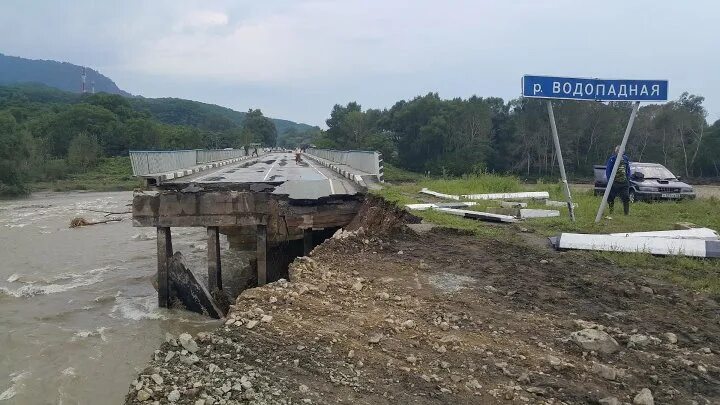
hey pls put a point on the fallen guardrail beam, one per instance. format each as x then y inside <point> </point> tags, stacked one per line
<point>694,233</point>
<point>528,195</point>
<point>536,213</point>
<point>439,195</point>
<point>422,207</point>
<point>482,216</point>
<point>665,246</point>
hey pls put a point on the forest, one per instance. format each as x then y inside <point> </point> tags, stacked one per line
<point>459,136</point>
<point>47,134</point>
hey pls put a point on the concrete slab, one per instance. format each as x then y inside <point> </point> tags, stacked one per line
<point>639,244</point>
<point>535,213</point>
<point>530,195</point>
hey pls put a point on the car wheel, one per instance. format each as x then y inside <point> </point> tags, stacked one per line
<point>632,196</point>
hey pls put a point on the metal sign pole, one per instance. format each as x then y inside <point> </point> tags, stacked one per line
<point>566,187</point>
<point>620,154</point>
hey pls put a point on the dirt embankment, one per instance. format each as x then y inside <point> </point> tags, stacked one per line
<point>446,318</point>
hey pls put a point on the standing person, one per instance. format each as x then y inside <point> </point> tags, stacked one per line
<point>255,152</point>
<point>621,185</point>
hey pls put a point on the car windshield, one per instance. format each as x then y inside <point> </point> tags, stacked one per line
<point>654,172</point>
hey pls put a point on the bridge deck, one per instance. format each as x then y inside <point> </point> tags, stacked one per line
<point>300,180</point>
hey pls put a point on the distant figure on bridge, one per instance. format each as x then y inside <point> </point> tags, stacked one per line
<point>255,152</point>
<point>621,185</point>
<point>247,149</point>
<point>298,151</point>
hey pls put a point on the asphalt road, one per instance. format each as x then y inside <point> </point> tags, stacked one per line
<point>300,180</point>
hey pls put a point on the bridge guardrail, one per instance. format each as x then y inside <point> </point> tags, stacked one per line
<point>370,162</point>
<point>145,163</point>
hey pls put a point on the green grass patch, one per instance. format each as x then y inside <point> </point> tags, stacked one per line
<point>111,174</point>
<point>699,274</point>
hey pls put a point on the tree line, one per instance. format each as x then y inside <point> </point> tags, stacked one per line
<point>460,136</point>
<point>47,135</point>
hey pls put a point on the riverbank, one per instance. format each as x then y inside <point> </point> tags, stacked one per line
<point>443,315</point>
<point>111,174</point>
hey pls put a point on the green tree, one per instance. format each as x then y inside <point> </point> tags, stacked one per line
<point>83,152</point>
<point>14,153</point>
<point>261,128</point>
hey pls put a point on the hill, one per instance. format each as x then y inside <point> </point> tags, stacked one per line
<point>60,75</point>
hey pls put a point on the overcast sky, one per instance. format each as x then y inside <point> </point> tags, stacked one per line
<point>296,59</point>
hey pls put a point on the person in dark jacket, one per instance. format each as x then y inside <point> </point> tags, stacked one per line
<point>621,185</point>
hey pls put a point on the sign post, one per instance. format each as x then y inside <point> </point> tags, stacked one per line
<point>563,177</point>
<point>569,88</point>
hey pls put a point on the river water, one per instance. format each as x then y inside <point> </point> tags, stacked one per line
<point>78,313</point>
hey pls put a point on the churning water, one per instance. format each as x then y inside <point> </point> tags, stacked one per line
<point>78,313</point>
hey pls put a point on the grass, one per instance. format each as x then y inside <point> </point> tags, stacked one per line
<point>696,273</point>
<point>111,174</point>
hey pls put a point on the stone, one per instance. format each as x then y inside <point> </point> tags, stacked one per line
<point>189,360</point>
<point>638,340</point>
<point>266,318</point>
<point>173,396</point>
<point>158,380</point>
<point>143,395</point>
<point>702,368</point>
<point>169,338</point>
<point>647,290</point>
<point>473,384</point>
<point>606,372</point>
<point>408,324</point>
<point>411,359</point>
<point>596,340</point>
<point>383,295</point>
<point>251,324</point>
<point>358,286</point>
<point>644,397</point>
<point>200,402</point>
<point>188,343</point>
<point>543,261</point>
<point>272,300</point>
<point>609,401</point>
<point>303,388</point>
<point>671,337</point>
<point>490,289</point>
<point>169,356</point>
<point>444,325</point>
<point>554,361</point>
<point>706,350</point>
<point>376,338</point>
<point>536,390</point>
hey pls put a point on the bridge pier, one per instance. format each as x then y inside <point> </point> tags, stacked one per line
<point>164,253</point>
<point>213,259</point>
<point>261,254</point>
<point>307,241</point>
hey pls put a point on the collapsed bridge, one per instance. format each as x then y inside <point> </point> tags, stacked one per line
<point>274,206</point>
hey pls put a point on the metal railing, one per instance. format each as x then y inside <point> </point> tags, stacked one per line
<point>369,162</point>
<point>153,162</point>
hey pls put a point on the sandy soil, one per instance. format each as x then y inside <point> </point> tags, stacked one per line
<point>443,317</point>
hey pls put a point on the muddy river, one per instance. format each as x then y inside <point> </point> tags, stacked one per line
<point>78,313</point>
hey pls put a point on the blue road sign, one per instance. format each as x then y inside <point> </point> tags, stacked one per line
<point>594,89</point>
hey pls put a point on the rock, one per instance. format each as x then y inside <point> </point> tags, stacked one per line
<point>647,290</point>
<point>490,289</point>
<point>554,361</point>
<point>376,338</point>
<point>701,368</point>
<point>169,356</point>
<point>706,350</point>
<point>596,340</point>
<point>444,325</point>
<point>251,324</point>
<point>272,300</point>
<point>303,389</point>
<point>411,359</point>
<point>358,286</point>
<point>143,395</point>
<point>671,337</point>
<point>408,324</point>
<point>638,340</point>
<point>606,372</point>
<point>536,390</point>
<point>169,338</point>
<point>189,360</point>
<point>200,402</point>
<point>644,397</point>
<point>473,384</point>
<point>351,354</point>
<point>174,395</point>
<point>383,295</point>
<point>609,401</point>
<point>158,380</point>
<point>266,318</point>
<point>188,343</point>
<point>543,261</point>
